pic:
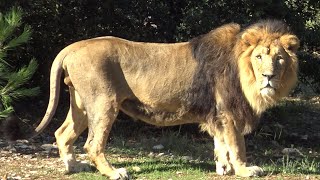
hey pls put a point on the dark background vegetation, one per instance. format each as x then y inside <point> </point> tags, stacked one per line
<point>57,24</point>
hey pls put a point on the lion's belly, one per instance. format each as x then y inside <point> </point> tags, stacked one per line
<point>158,116</point>
<point>158,93</point>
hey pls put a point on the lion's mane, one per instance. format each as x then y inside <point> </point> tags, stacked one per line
<point>224,66</point>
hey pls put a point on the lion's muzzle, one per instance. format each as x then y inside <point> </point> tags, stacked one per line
<point>269,85</point>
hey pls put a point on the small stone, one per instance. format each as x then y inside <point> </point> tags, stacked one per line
<point>136,169</point>
<point>151,154</point>
<point>22,141</point>
<point>22,146</point>
<point>17,177</point>
<point>12,150</point>
<point>29,156</point>
<point>304,137</point>
<point>289,151</point>
<point>187,158</point>
<point>160,154</point>
<point>48,147</point>
<point>158,147</point>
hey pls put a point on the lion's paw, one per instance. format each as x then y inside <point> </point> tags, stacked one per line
<point>120,174</point>
<point>251,171</point>
<point>78,166</point>
<point>223,169</point>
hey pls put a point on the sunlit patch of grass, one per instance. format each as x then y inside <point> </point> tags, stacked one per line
<point>181,157</point>
<point>157,168</point>
<point>289,165</point>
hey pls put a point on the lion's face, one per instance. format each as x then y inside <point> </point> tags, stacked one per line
<point>269,65</point>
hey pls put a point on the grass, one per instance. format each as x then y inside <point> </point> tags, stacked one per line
<point>172,162</point>
<point>292,124</point>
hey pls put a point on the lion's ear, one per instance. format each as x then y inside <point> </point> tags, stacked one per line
<point>290,42</point>
<point>250,37</point>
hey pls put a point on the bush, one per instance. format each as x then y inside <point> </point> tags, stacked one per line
<point>12,76</point>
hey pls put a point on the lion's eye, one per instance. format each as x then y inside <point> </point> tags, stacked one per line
<point>279,57</point>
<point>259,57</point>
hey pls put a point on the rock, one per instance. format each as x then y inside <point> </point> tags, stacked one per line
<point>158,147</point>
<point>48,147</point>
<point>187,158</point>
<point>291,151</point>
<point>29,156</point>
<point>22,146</point>
<point>12,150</point>
<point>136,169</point>
<point>160,154</point>
<point>23,141</point>
<point>304,137</point>
<point>151,154</point>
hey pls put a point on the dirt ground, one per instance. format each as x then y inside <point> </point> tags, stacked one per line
<point>38,159</point>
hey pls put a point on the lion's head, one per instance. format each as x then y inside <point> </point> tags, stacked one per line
<point>267,63</point>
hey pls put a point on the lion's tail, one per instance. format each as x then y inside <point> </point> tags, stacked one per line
<point>55,77</point>
<point>12,127</point>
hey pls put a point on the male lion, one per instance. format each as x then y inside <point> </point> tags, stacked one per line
<point>222,80</point>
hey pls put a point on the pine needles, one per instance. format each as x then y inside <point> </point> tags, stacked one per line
<point>12,81</point>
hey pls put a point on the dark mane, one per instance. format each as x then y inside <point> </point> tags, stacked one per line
<point>218,70</point>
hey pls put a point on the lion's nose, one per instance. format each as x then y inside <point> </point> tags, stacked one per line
<point>268,76</point>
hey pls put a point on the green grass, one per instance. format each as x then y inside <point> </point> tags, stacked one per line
<point>155,165</point>
<point>173,164</point>
<point>287,165</point>
<point>186,156</point>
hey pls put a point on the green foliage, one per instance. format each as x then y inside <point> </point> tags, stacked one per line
<point>56,24</point>
<point>13,77</point>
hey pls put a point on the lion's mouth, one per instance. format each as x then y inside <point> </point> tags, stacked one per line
<point>268,90</point>
<point>268,86</point>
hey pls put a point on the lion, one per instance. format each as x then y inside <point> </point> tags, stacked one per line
<point>223,81</point>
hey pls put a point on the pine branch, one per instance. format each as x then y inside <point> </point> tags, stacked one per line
<point>5,113</point>
<point>23,38</point>
<point>17,79</point>
<point>9,22</point>
<point>24,92</point>
<point>6,100</point>
<point>14,17</point>
<point>3,71</point>
<point>11,82</point>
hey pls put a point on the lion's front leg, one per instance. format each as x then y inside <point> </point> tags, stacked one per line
<point>223,165</point>
<point>235,144</point>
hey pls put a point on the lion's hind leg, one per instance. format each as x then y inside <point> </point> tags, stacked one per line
<point>75,123</point>
<point>101,117</point>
